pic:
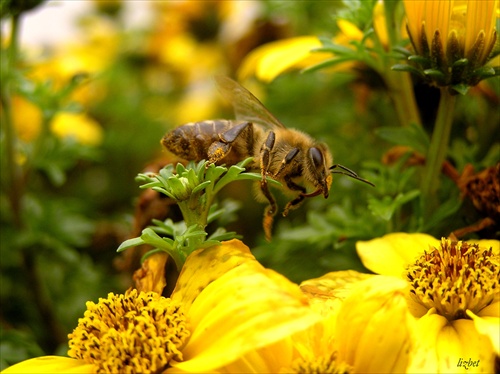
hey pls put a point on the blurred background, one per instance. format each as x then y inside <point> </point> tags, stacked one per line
<point>98,83</point>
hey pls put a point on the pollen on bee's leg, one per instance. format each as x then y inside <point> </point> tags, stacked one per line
<point>267,223</point>
<point>217,151</point>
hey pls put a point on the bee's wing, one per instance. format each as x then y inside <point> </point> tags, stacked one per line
<point>246,106</point>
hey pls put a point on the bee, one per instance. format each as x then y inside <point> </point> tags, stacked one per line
<point>287,155</point>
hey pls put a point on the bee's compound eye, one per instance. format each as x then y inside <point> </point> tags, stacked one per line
<point>316,156</point>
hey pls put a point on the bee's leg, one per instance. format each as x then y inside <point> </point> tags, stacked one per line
<point>219,149</point>
<point>295,203</point>
<point>270,211</point>
<point>286,161</point>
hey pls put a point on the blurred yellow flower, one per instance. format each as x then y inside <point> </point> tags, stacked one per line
<point>191,53</point>
<point>27,118</point>
<point>89,57</point>
<point>200,101</point>
<point>272,59</point>
<point>454,292</point>
<point>79,126</point>
<point>224,306</point>
<point>454,38</point>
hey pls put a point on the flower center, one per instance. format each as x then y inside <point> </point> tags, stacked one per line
<point>320,365</point>
<point>133,333</point>
<point>454,278</point>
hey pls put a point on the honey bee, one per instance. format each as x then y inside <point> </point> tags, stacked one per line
<point>286,155</point>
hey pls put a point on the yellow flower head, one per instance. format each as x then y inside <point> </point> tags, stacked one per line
<point>453,40</point>
<point>453,291</point>
<point>466,277</point>
<point>136,332</point>
<point>225,306</point>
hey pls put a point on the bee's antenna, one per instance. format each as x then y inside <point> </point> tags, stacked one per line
<point>349,173</point>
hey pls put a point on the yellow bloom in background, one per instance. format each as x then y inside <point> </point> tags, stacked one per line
<point>231,307</point>
<point>200,101</point>
<point>27,118</point>
<point>79,126</point>
<point>454,292</point>
<point>92,55</point>
<point>272,59</point>
<point>453,39</point>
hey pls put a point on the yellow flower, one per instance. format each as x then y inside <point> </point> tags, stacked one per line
<point>365,327</point>
<point>272,59</point>
<point>78,126</point>
<point>454,292</point>
<point>275,58</point>
<point>224,306</point>
<point>453,39</point>
<point>89,57</point>
<point>27,118</point>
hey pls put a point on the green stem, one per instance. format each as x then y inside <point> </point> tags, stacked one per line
<point>401,91</point>
<point>195,212</point>
<point>15,186</point>
<point>399,83</point>
<point>437,152</point>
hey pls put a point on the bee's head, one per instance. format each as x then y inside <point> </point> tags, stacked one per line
<point>319,161</point>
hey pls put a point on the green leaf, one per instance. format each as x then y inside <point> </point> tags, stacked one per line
<point>419,60</point>
<point>134,242</point>
<point>461,62</point>
<point>413,136</point>
<point>435,74</point>
<point>201,186</point>
<point>152,238</point>
<point>405,52</point>
<point>386,207</point>
<point>443,212</point>
<point>328,63</point>
<point>407,69</point>
<point>461,88</point>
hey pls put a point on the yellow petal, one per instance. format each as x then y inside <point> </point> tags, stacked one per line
<point>488,326</point>
<point>481,16</point>
<point>390,254</point>
<point>349,32</point>
<point>269,359</point>
<point>379,23</point>
<point>206,265</point>
<point>414,13</point>
<point>374,330</point>
<point>444,347</point>
<point>50,365</point>
<point>151,275</point>
<point>247,308</point>
<point>327,292</point>
<point>272,59</point>
<point>487,243</point>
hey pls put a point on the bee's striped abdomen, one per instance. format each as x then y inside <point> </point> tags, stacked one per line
<point>192,140</point>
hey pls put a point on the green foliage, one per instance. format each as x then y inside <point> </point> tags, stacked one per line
<point>194,188</point>
<point>66,205</point>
